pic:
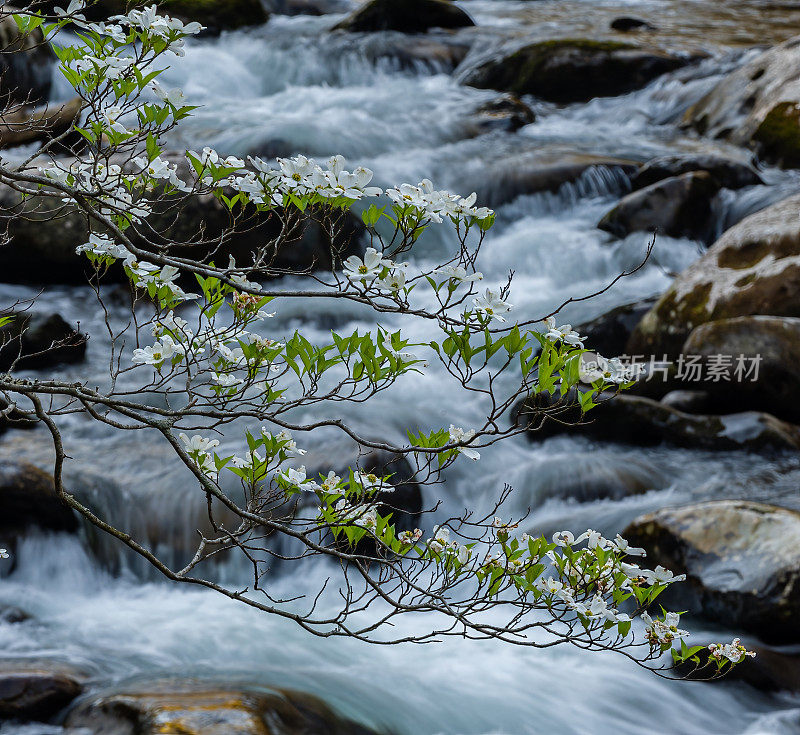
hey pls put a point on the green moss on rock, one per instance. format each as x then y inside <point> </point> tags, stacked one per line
<point>778,136</point>
<point>574,69</point>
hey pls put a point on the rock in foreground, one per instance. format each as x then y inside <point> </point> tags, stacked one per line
<point>31,690</point>
<point>406,16</point>
<point>754,268</point>
<point>742,562</point>
<point>574,70</point>
<point>196,709</point>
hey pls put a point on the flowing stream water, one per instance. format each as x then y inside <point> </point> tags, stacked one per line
<point>291,86</point>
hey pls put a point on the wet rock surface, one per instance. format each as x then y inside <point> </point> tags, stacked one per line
<point>754,268</point>
<point>574,70</point>
<point>36,690</point>
<point>727,172</point>
<point>34,340</point>
<point>407,16</point>
<point>679,206</point>
<point>188,708</point>
<point>740,558</point>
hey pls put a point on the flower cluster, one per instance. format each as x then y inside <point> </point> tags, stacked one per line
<point>733,652</point>
<point>430,204</point>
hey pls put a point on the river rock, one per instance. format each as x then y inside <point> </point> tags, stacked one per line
<point>507,178</point>
<point>406,16</point>
<point>727,172</point>
<point>28,500</point>
<point>205,709</point>
<point>776,340</point>
<point>432,52</point>
<point>609,333</point>
<point>25,127</point>
<point>36,690</point>
<point>754,268</point>
<point>756,105</point>
<point>742,561</point>
<point>688,401</point>
<point>42,246</point>
<point>506,113</point>
<point>25,63</point>
<point>215,15</point>
<point>626,24</point>
<point>574,70</point>
<point>677,207</point>
<point>37,340</point>
<point>646,422</point>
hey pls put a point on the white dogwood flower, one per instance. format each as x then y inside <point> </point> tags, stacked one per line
<point>492,305</point>
<point>564,333</point>
<point>364,270</point>
<point>197,444</point>
<point>459,435</point>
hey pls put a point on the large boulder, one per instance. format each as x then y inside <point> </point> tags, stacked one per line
<point>756,105</point>
<point>36,690</point>
<point>609,333</point>
<point>37,340</point>
<point>741,559</point>
<point>216,15</point>
<point>764,353</point>
<point>727,172</point>
<point>574,70</point>
<point>677,207</point>
<point>754,268</point>
<point>28,500</point>
<point>406,16</point>
<point>43,240</point>
<point>195,708</point>
<point>26,63</point>
<point>646,422</point>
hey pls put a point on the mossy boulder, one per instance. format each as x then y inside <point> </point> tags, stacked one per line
<point>741,559</point>
<point>727,172</point>
<point>754,268</point>
<point>757,105</point>
<point>26,63</point>
<point>679,206</point>
<point>406,16</point>
<point>197,708</point>
<point>778,135</point>
<point>645,422</point>
<point>773,386</point>
<point>574,70</point>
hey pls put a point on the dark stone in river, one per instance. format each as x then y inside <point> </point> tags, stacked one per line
<point>677,207</point>
<point>406,16</point>
<point>36,690</point>
<point>741,558</point>
<point>506,113</point>
<point>36,340</point>
<point>575,70</point>
<point>205,708</point>
<point>28,500</point>
<point>27,126</point>
<point>645,422</point>
<point>626,24</point>
<point>727,172</point>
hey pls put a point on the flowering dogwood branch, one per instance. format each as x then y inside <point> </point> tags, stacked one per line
<point>197,359</point>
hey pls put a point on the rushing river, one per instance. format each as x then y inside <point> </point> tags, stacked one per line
<point>290,86</point>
